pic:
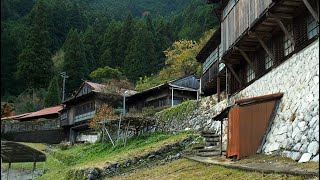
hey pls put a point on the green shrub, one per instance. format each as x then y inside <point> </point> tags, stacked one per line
<point>179,112</point>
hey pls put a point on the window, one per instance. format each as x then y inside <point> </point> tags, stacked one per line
<point>268,61</point>
<point>312,27</point>
<point>250,73</point>
<point>288,46</point>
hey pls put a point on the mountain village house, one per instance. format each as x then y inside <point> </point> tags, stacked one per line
<point>165,95</point>
<point>267,52</point>
<point>81,108</point>
<point>41,126</point>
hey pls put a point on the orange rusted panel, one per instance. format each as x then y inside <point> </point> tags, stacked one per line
<point>246,127</point>
<point>233,132</point>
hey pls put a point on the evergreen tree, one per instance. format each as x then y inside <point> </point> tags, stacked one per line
<point>110,56</point>
<point>53,97</point>
<point>8,64</point>
<point>140,59</point>
<point>125,38</point>
<point>35,65</point>
<point>75,63</point>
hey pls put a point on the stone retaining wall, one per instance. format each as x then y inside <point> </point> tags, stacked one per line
<point>295,129</point>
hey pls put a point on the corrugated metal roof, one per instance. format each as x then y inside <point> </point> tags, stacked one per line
<point>46,111</point>
<point>15,116</point>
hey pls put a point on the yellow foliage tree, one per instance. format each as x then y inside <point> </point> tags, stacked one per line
<point>180,60</point>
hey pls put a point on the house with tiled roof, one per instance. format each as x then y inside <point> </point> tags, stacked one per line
<point>80,109</point>
<point>41,126</point>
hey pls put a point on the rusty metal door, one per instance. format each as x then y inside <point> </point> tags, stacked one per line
<point>246,127</point>
<point>233,132</point>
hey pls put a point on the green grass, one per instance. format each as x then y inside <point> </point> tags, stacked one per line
<point>59,162</point>
<point>186,169</point>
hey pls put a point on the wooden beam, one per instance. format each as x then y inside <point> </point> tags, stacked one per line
<point>284,29</point>
<point>311,10</point>
<point>284,15</point>
<point>262,33</point>
<point>218,88</point>
<point>246,48</point>
<point>246,58</point>
<point>263,44</point>
<point>234,73</point>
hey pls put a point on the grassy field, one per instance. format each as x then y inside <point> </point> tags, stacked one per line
<point>59,162</point>
<point>186,169</point>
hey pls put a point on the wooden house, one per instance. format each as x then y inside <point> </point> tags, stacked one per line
<point>167,94</point>
<point>81,108</point>
<point>213,78</point>
<point>253,38</point>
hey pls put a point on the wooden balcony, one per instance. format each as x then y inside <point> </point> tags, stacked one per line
<point>209,78</point>
<point>237,17</point>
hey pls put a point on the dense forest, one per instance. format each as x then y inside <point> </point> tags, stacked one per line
<point>132,40</point>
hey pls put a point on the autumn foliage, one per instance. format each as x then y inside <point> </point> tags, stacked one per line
<point>104,113</point>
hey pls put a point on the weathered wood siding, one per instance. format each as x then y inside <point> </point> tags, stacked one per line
<point>239,19</point>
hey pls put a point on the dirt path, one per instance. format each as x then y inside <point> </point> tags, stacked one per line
<point>263,167</point>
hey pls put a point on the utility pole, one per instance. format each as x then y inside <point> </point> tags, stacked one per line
<point>64,76</point>
<point>124,103</point>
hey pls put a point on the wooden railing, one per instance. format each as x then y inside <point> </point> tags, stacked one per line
<point>211,73</point>
<point>239,18</point>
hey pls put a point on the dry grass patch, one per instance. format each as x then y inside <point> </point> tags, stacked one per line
<point>186,169</point>
<point>260,158</point>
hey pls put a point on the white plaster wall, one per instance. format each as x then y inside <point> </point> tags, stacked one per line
<point>92,138</point>
<point>295,129</point>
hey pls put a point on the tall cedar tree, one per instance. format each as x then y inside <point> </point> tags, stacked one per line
<point>52,97</point>
<point>93,40</point>
<point>140,59</point>
<point>125,38</point>
<point>35,65</point>
<point>109,56</point>
<point>8,63</point>
<point>75,63</point>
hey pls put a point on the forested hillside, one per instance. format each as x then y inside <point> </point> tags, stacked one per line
<point>88,39</point>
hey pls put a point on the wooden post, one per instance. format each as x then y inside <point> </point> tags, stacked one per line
<point>109,136</point>
<point>234,73</point>
<point>126,136</point>
<point>103,126</point>
<point>8,172</point>
<point>119,128</point>
<point>218,88</point>
<point>171,97</point>
<point>34,166</point>
<point>311,10</point>
<point>221,135</point>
